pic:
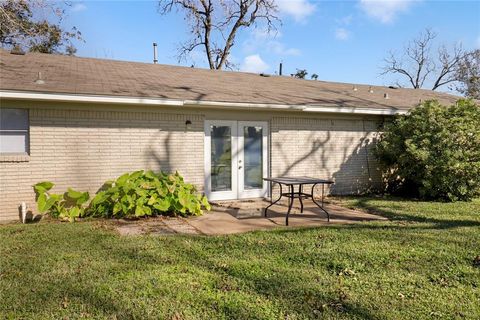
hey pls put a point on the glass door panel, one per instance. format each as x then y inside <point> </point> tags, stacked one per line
<point>221,158</point>
<point>221,170</point>
<point>253,157</point>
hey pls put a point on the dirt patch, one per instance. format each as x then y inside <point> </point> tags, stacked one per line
<point>162,226</point>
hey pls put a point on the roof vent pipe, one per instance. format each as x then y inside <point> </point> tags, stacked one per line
<point>39,79</point>
<point>280,69</point>
<point>370,89</point>
<point>355,88</point>
<point>385,95</point>
<point>155,53</point>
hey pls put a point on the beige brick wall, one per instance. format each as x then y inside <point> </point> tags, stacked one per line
<point>83,148</point>
<point>338,149</point>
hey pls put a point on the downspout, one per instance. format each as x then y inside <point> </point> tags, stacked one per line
<point>366,153</point>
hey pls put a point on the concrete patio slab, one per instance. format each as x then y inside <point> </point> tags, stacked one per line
<point>230,217</point>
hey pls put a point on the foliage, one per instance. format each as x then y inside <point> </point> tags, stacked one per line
<point>214,25</point>
<point>415,266</point>
<point>140,194</point>
<point>36,25</point>
<point>300,74</point>
<point>434,151</point>
<point>136,194</point>
<point>468,75</point>
<point>70,205</point>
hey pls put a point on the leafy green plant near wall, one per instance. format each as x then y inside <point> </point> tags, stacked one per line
<point>146,193</point>
<point>137,194</point>
<point>433,152</point>
<point>70,205</point>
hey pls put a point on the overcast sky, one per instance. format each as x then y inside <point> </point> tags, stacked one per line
<point>341,41</point>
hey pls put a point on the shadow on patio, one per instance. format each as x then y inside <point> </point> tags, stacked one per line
<point>228,217</point>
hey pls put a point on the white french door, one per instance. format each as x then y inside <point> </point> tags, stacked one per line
<point>236,159</point>
<point>252,142</point>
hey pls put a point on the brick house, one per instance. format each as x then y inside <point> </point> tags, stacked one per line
<point>79,122</point>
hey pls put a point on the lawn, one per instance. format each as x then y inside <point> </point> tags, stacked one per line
<point>418,265</point>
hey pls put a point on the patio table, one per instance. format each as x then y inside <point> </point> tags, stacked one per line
<point>291,182</point>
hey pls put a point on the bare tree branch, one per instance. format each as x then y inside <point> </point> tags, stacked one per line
<point>449,63</point>
<point>214,24</point>
<point>395,66</point>
<point>419,66</point>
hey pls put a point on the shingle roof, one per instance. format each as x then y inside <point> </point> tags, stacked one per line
<point>74,75</point>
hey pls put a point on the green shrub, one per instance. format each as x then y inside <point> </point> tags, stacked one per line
<point>70,205</point>
<point>136,194</point>
<point>434,151</point>
<point>140,194</point>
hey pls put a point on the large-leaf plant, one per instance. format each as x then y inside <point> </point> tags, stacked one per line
<point>69,205</point>
<point>146,193</point>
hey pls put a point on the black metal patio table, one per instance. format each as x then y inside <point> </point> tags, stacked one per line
<point>291,182</point>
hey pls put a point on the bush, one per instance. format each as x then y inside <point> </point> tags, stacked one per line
<point>434,151</point>
<point>70,205</point>
<point>140,194</point>
<point>136,194</point>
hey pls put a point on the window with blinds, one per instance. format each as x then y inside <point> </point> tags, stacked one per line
<point>14,127</point>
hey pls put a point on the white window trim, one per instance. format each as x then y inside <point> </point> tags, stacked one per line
<point>18,156</point>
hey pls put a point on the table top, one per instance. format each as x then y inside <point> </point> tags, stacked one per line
<point>298,180</point>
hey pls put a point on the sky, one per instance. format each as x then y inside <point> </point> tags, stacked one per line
<point>343,41</point>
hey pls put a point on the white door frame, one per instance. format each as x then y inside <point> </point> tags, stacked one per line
<point>237,191</point>
<point>254,193</point>
<point>220,195</point>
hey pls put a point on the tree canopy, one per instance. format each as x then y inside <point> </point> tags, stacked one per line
<point>36,25</point>
<point>468,75</point>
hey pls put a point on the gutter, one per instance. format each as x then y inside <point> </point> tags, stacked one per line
<point>60,97</point>
<point>85,98</point>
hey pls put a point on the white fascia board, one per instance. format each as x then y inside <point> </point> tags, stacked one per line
<point>87,98</point>
<point>242,105</point>
<point>305,108</point>
<point>355,110</point>
<point>35,96</point>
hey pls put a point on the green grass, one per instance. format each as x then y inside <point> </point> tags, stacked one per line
<point>416,266</point>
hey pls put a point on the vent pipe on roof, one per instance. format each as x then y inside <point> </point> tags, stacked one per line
<point>155,53</point>
<point>280,69</point>
<point>39,79</point>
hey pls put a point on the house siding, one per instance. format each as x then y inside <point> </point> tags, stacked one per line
<point>338,149</point>
<point>82,149</point>
<point>83,146</point>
